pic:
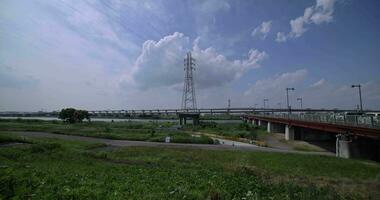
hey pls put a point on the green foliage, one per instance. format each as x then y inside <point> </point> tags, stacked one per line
<point>44,147</point>
<point>6,138</point>
<point>141,131</point>
<point>72,170</point>
<point>72,115</point>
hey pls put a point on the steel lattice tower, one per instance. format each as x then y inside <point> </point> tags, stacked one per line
<point>188,97</point>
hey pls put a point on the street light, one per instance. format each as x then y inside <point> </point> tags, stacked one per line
<point>300,100</point>
<point>265,100</point>
<point>287,97</point>
<point>360,95</point>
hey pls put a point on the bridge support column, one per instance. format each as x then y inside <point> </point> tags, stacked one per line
<point>259,122</point>
<point>269,127</point>
<point>289,132</point>
<point>343,143</point>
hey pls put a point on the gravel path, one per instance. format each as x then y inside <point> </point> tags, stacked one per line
<point>127,143</point>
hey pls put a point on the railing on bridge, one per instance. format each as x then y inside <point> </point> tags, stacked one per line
<point>349,120</point>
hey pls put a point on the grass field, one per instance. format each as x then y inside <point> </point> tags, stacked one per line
<point>141,131</point>
<point>230,130</point>
<point>57,169</point>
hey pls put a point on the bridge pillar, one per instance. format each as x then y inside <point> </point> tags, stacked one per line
<point>259,122</point>
<point>289,132</point>
<point>343,143</point>
<point>269,127</point>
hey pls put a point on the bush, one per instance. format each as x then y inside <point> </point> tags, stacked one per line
<point>72,115</point>
<point>46,147</point>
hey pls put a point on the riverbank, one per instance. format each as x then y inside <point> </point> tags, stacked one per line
<point>50,168</point>
<point>138,131</point>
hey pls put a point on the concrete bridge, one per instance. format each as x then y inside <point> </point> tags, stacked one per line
<point>241,110</point>
<point>353,136</point>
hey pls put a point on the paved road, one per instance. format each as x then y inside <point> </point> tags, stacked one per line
<point>128,143</point>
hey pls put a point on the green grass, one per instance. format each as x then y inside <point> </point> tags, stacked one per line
<point>303,147</point>
<point>141,131</point>
<point>230,130</point>
<point>57,169</point>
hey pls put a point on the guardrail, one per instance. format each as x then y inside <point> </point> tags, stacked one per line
<point>348,120</point>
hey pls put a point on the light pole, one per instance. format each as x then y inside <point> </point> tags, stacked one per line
<point>360,95</point>
<point>300,100</point>
<point>265,100</point>
<point>287,97</point>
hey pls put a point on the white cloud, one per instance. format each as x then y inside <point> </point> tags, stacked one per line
<point>262,30</point>
<point>161,64</point>
<point>321,12</point>
<point>318,83</point>
<point>321,94</point>
<point>281,37</point>
<point>277,83</point>
<point>212,6</point>
<point>273,88</point>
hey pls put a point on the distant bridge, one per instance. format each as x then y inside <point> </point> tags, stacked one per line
<point>242,110</point>
<point>133,112</point>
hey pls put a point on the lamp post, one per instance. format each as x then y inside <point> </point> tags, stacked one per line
<point>360,95</point>
<point>300,100</point>
<point>265,100</point>
<point>287,97</point>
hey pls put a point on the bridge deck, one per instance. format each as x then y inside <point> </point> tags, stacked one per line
<point>327,123</point>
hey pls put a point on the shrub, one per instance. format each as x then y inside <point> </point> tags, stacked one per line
<point>72,115</point>
<point>46,147</point>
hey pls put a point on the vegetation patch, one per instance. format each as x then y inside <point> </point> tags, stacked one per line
<point>140,131</point>
<point>72,170</point>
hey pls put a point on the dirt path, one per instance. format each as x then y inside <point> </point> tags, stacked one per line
<point>128,143</point>
<point>224,141</point>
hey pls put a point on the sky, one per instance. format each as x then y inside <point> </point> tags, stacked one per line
<point>124,54</point>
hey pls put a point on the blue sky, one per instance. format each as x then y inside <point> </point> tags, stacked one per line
<point>128,54</point>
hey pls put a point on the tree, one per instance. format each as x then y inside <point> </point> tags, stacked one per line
<point>72,115</point>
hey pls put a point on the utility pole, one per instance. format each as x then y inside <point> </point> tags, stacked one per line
<point>360,95</point>
<point>265,100</point>
<point>287,98</point>
<point>188,97</point>
<point>300,100</point>
<point>229,106</point>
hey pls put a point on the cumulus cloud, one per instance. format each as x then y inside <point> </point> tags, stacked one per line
<point>161,63</point>
<point>262,30</point>
<point>321,12</point>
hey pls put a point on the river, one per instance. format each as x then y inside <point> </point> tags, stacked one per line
<point>126,120</point>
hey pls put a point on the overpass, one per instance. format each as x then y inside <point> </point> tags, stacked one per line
<point>356,136</point>
<point>241,110</point>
